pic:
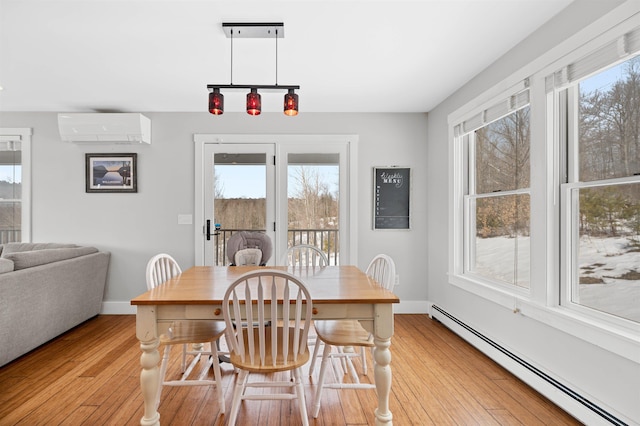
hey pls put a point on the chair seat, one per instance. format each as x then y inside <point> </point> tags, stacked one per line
<point>192,332</point>
<point>343,333</point>
<point>302,358</point>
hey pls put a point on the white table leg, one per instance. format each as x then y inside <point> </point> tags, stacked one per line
<point>383,330</point>
<point>146,331</point>
<point>149,381</point>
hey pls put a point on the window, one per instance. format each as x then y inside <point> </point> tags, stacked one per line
<point>14,185</point>
<point>545,190</point>
<point>494,146</point>
<point>601,192</point>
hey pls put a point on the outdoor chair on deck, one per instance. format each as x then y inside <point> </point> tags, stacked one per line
<point>161,268</point>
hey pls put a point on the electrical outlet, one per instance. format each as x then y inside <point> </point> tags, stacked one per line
<point>397,279</point>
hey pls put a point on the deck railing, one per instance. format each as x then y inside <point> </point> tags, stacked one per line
<point>325,239</point>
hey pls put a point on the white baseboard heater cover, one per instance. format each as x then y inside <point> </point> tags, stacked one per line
<point>569,400</point>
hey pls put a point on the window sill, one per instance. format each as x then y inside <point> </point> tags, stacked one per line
<point>623,342</point>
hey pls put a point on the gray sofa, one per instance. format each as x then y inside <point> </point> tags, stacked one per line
<point>45,290</point>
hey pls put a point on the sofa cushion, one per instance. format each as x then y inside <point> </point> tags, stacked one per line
<point>28,259</point>
<point>6,265</point>
<point>20,247</point>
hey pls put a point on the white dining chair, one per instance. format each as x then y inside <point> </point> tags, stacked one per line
<point>305,255</point>
<point>349,333</point>
<point>274,308</point>
<point>161,268</point>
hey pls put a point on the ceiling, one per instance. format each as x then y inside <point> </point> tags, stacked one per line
<point>347,56</point>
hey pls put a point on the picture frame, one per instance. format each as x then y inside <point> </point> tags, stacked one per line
<point>391,198</point>
<point>111,172</point>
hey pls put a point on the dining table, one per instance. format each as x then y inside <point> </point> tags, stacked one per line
<point>337,292</point>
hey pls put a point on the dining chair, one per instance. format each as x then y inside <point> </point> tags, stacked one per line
<point>274,308</point>
<point>305,255</point>
<point>349,333</point>
<point>160,268</point>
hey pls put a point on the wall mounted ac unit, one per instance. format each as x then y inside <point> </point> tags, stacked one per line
<point>123,128</point>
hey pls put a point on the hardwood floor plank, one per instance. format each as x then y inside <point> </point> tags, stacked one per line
<point>78,416</point>
<point>505,418</point>
<point>91,375</point>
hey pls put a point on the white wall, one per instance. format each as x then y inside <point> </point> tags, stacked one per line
<point>605,378</point>
<point>133,227</point>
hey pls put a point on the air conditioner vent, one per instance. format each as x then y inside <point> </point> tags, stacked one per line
<point>122,128</point>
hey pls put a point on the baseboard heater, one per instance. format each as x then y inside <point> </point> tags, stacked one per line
<point>600,412</point>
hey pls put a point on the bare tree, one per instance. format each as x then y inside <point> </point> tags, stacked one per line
<point>609,147</point>
<point>312,205</point>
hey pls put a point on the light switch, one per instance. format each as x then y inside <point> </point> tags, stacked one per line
<point>185,219</point>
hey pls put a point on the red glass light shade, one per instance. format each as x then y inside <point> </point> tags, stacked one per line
<point>291,103</point>
<point>254,102</point>
<point>216,102</point>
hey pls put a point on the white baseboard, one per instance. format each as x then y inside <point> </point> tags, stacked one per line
<point>117,308</point>
<point>562,394</point>
<point>412,307</point>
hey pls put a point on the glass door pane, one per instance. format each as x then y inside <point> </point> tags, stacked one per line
<point>238,195</point>
<point>240,191</point>
<point>313,194</point>
<point>10,192</point>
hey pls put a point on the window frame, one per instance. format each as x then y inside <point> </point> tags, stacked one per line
<point>462,129</point>
<point>23,136</point>
<point>471,197</point>
<point>567,98</point>
<point>543,301</point>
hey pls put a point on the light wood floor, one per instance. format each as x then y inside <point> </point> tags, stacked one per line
<point>90,376</point>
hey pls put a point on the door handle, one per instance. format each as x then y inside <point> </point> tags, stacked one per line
<point>208,231</point>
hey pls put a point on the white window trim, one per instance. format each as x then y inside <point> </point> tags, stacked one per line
<point>543,302</point>
<point>349,215</point>
<point>491,289</point>
<point>22,135</point>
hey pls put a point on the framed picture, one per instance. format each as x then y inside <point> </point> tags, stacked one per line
<point>391,197</point>
<point>111,173</point>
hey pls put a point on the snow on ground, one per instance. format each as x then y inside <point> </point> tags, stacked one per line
<point>609,259</point>
<point>604,261</point>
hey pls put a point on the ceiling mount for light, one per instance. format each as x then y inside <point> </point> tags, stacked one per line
<point>273,30</point>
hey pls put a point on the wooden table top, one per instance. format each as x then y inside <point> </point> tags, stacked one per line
<point>206,285</point>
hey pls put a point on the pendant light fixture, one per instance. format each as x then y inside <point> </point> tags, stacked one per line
<point>254,101</point>
<point>216,102</point>
<point>291,103</point>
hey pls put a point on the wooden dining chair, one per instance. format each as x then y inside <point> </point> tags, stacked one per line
<point>305,255</point>
<point>349,333</point>
<point>160,268</point>
<point>274,308</point>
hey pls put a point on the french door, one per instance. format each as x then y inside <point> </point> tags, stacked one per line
<point>239,194</point>
<point>297,189</point>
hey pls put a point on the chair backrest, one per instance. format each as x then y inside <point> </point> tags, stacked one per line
<point>249,256</point>
<point>259,298</point>
<point>383,269</point>
<point>249,240</point>
<point>160,268</point>
<point>305,255</point>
